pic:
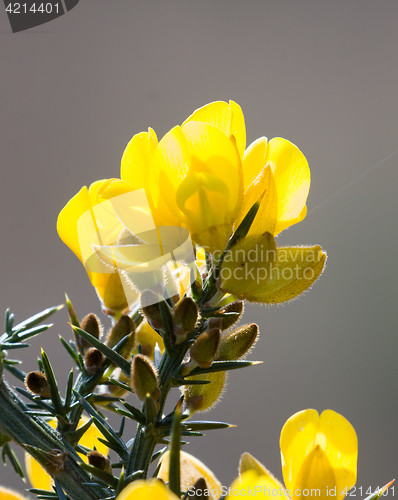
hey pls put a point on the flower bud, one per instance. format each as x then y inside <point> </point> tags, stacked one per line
<point>92,325</point>
<point>113,295</point>
<point>238,343</point>
<point>204,397</point>
<point>36,383</point>
<point>123,327</point>
<point>93,360</point>
<point>150,308</point>
<point>97,459</point>
<point>248,462</point>
<point>186,314</point>
<point>236,307</point>
<point>144,378</point>
<point>205,347</point>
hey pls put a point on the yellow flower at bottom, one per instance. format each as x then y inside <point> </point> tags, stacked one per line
<point>192,469</point>
<point>319,452</point>
<point>6,494</point>
<point>319,460</point>
<point>39,477</point>
<point>146,490</point>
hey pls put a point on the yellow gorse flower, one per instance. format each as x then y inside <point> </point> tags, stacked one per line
<point>319,459</point>
<point>201,177</point>
<point>192,176</point>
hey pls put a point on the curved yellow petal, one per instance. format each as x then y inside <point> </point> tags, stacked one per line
<point>340,444</point>
<point>146,490</point>
<point>192,469</point>
<point>319,451</point>
<point>254,160</point>
<point>293,272</point>
<point>292,178</point>
<point>39,477</point>
<point>215,156</point>
<point>251,484</point>
<point>266,218</point>
<point>217,113</point>
<point>298,438</point>
<point>227,117</point>
<point>6,494</point>
<point>137,157</point>
<point>170,165</point>
<point>68,217</point>
<point>238,127</point>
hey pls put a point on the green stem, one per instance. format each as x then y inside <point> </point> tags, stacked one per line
<point>147,438</point>
<point>29,431</point>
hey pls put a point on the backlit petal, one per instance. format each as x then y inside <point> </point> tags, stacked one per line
<point>254,160</point>
<point>266,218</point>
<point>319,451</point>
<point>137,157</point>
<point>292,178</point>
<point>67,220</point>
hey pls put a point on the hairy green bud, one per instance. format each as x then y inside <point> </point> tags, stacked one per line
<point>236,344</point>
<point>144,377</point>
<point>123,327</point>
<point>205,347</point>
<point>185,315</point>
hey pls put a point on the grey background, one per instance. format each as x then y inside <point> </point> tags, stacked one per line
<point>322,74</point>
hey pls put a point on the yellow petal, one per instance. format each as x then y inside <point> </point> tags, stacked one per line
<point>238,128</point>
<point>216,113</point>
<point>292,178</point>
<point>251,484</point>
<point>39,477</point>
<point>137,157</point>
<point>192,469</point>
<point>68,217</point>
<point>146,490</point>
<point>254,160</point>
<point>170,165</point>
<point>226,117</point>
<point>332,434</point>
<point>316,476</point>
<point>266,218</point>
<point>295,270</point>
<point>6,494</point>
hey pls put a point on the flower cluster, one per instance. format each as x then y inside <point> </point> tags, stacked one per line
<point>199,177</point>
<point>174,247</point>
